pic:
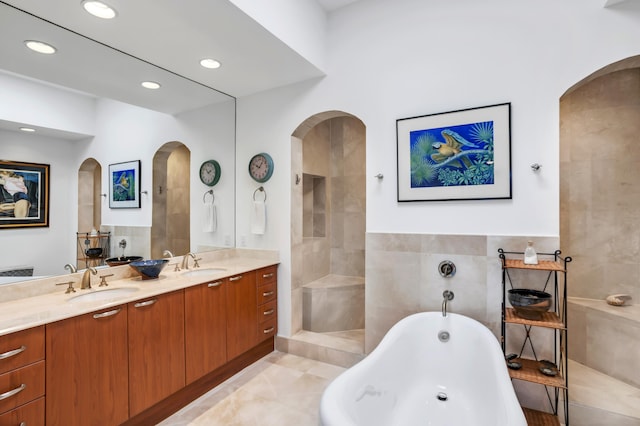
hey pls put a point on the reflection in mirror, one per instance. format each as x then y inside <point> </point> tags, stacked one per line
<point>89,111</point>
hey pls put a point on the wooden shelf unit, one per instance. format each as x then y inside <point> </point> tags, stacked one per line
<point>540,418</point>
<point>555,319</point>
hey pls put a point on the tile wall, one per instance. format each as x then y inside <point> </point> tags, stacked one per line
<point>599,175</point>
<point>402,278</point>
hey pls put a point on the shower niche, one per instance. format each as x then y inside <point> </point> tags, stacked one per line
<point>314,204</point>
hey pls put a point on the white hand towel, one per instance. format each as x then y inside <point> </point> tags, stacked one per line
<point>210,217</point>
<point>258,217</point>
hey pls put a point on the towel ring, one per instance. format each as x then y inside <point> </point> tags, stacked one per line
<point>261,189</point>
<point>204,197</point>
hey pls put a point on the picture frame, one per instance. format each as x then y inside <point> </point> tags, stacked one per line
<point>24,194</point>
<point>124,185</point>
<point>455,155</point>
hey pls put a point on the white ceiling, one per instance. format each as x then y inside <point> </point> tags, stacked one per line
<point>331,5</point>
<point>172,36</point>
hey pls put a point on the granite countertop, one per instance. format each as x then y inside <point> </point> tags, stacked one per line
<point>31,310</point>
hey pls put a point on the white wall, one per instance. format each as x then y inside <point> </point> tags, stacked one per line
<point>32,103</point>
<point>122,133</point>
<point>125,133</point>
<point>390,60</point>
<point>47,249</point>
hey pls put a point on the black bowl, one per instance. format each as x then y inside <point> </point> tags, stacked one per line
<point>93,252</point>
<point>149,269</point>
<point>529,304</point>
<point>122,260</point>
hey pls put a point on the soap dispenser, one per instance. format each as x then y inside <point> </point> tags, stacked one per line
<point>530,255</point>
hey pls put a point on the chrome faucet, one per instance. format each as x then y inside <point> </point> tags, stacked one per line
<point>86,278</point>
<point>185,260</point>
<point>72,269</point>
<point>167,253</point>
<point>447,295</point>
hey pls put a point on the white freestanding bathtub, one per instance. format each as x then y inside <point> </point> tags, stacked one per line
<point>427,370</point>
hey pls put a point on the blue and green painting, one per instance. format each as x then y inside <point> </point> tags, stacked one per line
<point>124,185</point>
<point>452,156</point>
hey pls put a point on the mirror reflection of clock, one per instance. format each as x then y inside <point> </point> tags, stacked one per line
<point>261,167</point>
<point>210,172</point>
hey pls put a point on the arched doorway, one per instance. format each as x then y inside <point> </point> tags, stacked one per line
<point>328,219</point>
<point>89,211</point>
<point>89,198</point>
<point>171,225</point>
<point>600,229</point>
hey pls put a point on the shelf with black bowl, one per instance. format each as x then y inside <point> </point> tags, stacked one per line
<point>530,308</point>
<point>93,248</point>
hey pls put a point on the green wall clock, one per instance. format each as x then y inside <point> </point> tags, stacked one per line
<point>210,172</point>
<point>261,167</point>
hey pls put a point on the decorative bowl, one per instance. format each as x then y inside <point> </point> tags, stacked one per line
<point>149,269</point>
<point>93,252</point>
<point>122,260</point>
<point>529,304</point>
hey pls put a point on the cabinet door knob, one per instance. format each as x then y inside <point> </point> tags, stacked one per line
<point>215,284</point>
<point>239,277</point>
<point>268,330</point>
<point>267,275</point>
<point>267,294</point>
<point>269,312</point>
<point>14,352</point>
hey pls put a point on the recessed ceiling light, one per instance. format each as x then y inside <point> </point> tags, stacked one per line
<point>40,47</point>
<point>99,9</point>
<point>150,85</point>
<point>210,63</point>
<point>27,129</point>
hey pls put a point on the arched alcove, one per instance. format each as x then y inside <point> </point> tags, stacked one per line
<point>89,195</point>
<point>600,230</point>
<point>170,229</point>
<point>600,121</point>
<point>328,220</point>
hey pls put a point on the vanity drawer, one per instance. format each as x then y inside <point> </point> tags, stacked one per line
<point>266,293</point>
<point>267,329</point>
<point>21,348</point>
<point>267,275</point>
<point>31,414</point>
<point>267,311</point>
<point>20,386</point>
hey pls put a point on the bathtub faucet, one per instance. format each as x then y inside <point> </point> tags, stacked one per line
<point>447,295</point>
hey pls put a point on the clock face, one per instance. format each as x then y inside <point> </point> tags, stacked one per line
<point>210,172</point>
<point>261,167</point>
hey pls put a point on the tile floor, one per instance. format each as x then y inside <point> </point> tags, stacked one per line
<point>284,389</point>
<point>280,389</point>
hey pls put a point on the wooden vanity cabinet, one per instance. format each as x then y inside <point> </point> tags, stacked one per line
<point>137,363</point>
<point>22,377</point>
<point>156,349</point>
<point>205,328</point>
<point>267,299</point>
<point>29,414</point>
<point>86,372</point>
<point>241,314</point>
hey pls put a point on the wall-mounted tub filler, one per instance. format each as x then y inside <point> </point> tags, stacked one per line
<point>447,268</point>
<point>447,295</point>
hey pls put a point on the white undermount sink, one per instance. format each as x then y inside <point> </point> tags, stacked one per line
<point>203,272</point>
<point>98,295</point>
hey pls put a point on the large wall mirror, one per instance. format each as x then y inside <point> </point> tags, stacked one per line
<point>86,106</point>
